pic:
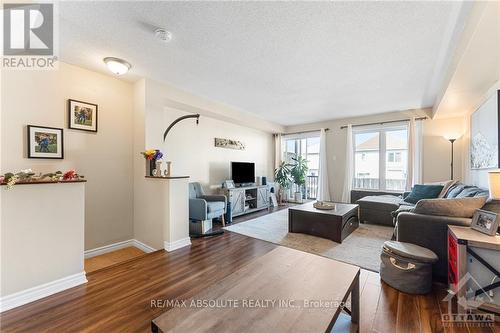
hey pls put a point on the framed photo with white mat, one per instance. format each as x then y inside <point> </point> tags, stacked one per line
<point>45,142</point>
<point>82,116</point>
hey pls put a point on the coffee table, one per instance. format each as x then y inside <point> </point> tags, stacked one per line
<point>334,224</point>
<point>285,290</point>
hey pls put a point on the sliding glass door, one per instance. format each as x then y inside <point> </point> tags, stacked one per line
<point>308,148</point>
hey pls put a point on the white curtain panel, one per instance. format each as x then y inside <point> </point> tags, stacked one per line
<point>349,166</point>
<point>414,172</point>
<point>411,152</point>
<point>278,153</point>
<point>418,153</point>
<point>323,186</point>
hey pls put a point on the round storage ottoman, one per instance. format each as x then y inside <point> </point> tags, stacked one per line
<point>407,267</point>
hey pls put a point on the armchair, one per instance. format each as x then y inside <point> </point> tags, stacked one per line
<point>204,207</point>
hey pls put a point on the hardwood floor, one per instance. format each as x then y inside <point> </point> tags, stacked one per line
<point>112,258</point>
<point>118,299</point>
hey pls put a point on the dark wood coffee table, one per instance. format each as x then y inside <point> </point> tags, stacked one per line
<point>334,224</point>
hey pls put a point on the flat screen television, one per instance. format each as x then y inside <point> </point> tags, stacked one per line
<point>243,172</point>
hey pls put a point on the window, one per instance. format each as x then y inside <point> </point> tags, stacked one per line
<point>307,147</point>
<point>381,158</point>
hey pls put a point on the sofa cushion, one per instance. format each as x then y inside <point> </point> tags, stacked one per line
<point>403,208</point>
<point>380,202</point>
<point>447,184</point>
<point>455,190</point>
<point>456,207</point>
<point>215,206</point>
<point>419,192</point>
<point>469,192</point>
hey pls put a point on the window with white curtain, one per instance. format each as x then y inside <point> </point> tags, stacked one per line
<point>381,157</point>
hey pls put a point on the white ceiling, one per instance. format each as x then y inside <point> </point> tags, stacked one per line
<point>287,62</point>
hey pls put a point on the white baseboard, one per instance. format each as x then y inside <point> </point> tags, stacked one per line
<point>144,247</point>
<point>172,246</point>
<point>32,294</point>
<point>117,246</point>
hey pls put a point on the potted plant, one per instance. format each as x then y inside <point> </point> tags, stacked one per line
<point>282,177</point>
<point>299,173</point>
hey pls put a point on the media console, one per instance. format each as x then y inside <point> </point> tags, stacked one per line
<point>247,199</point>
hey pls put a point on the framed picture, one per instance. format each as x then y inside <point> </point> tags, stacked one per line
<point>485,128</point>
<point>485,222</point>
<point>45,142</point>
<point>82,115</point>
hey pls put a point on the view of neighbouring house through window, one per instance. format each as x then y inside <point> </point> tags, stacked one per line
<point>383,149</point>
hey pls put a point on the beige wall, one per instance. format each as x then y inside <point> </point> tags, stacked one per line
<point>105,158</point>
<point>191,147</point>
<point>436,150</point>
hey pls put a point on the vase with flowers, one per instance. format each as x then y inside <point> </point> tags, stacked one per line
<point>152,156</point>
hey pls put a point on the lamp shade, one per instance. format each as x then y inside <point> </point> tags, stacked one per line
<point>494,184</point>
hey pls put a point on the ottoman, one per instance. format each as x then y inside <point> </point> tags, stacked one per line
<point>407,267</point>
<point>377,209</point>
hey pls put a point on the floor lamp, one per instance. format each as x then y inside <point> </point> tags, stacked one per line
<point>452,142</point>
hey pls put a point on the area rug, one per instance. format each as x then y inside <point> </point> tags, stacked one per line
<point>361,248</point>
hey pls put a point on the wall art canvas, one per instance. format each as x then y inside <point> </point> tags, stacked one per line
<point>484,135</point>
<point>82,115</point>
<point>230,144</point>
<point>45,142</point>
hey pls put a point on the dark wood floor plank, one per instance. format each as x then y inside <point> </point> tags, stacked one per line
<point>368,306</point>
<point>387,310</point>
<point>430,315</point>
<point>408,316</point>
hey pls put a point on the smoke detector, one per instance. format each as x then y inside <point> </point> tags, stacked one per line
<point>163,35</point>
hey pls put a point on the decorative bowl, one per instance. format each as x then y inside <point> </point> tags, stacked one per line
<point>326,205</point>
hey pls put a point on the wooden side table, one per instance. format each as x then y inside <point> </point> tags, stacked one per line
<point>484,250</point>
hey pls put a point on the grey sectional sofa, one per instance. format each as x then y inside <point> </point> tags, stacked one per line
<point>429,231</point>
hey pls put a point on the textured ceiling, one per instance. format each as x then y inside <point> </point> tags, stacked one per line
<point>287,62</point>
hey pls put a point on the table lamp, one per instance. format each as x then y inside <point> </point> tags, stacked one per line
<point>494,184</point>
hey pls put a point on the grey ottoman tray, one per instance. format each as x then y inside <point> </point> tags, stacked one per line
<point>407,267</point>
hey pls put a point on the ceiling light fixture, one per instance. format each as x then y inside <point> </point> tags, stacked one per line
<point>117,66</point>
<point>163,35</point>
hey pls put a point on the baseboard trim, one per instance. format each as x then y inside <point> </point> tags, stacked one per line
<point>172,246</point>
<point>35,293</point>
<point>117,246</point>
<point>144,247</point>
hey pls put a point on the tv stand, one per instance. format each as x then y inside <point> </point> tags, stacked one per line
<point>245,185</point>
<point>247,199</point>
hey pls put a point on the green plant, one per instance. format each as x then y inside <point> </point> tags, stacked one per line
<point>282,175</point>
<point>299,170</point>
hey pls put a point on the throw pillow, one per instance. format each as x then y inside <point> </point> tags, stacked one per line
<point>419,192</point>
<point>446,186</point>
<point>459,207</point>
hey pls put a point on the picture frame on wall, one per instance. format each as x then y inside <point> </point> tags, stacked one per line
<point>45,142</point>
<point>82,115</point>
<point>485,222</point>
<point>485,134</point>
